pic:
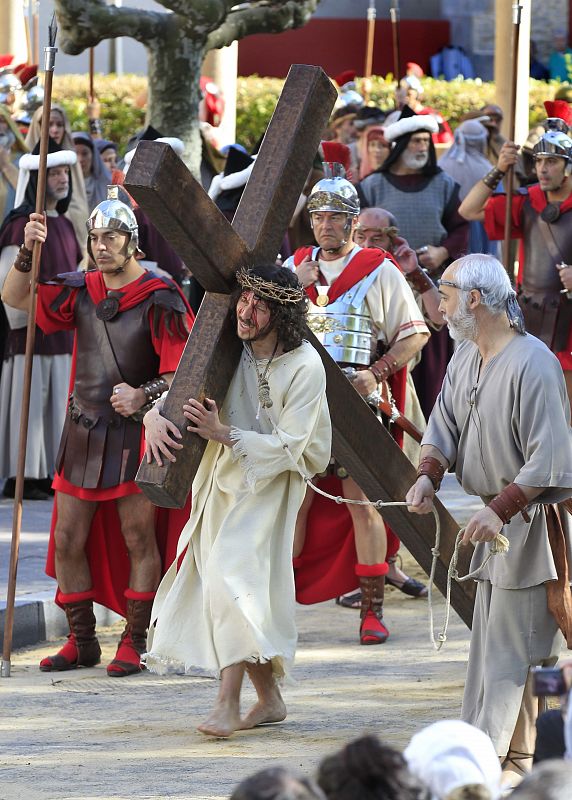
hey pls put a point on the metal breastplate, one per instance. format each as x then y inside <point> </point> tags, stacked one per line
<point>540,272</point>
<point>130,337</point>
<point>345,327</point>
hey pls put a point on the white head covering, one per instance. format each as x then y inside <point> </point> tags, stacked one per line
<point>450,754</point>
<point>31,161</point>
<point>465,161</point>
<point>176,144</point>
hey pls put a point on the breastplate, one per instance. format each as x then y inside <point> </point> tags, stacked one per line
<point>345,327</point>
<point>136,361</point>
<point>540,272</point>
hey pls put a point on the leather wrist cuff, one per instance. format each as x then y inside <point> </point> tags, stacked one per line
<point>509,503</point>
<point>493,178</point>
<point>419,280</point>
<point>23,260</point>
<point>95,127</point>
<point>383,368</point>
<point>154,389</point>
<point>433,469</point>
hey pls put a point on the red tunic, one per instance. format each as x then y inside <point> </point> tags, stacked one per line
<point>106,550</point>
<point>495,210</point>
<point>326,566</point>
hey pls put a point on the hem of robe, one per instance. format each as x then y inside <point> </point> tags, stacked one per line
<point>107,554</point>
<point>164,665</point>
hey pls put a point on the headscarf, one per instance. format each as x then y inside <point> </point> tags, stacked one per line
<point>451,754</point>
<point>77,212</point>
<point>466,162</point>
<point>100,178</point>
<point>365,165</point>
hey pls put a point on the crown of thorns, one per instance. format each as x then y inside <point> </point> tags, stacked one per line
<point>267,289</point>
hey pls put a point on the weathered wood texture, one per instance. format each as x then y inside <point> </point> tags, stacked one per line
<point>180,209</point>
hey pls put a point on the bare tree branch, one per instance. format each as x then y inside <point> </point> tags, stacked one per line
<point>273,16</point>
<point>86,23</point>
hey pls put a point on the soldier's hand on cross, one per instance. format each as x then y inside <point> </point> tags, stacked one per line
<point>158,437</point>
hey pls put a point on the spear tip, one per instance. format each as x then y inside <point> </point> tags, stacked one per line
<point>53,31</point>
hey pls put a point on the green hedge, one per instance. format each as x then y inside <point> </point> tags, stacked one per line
<point>123,101</point>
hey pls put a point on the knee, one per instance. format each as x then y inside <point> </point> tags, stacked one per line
<point>67,540</point>
<point>139,540</point>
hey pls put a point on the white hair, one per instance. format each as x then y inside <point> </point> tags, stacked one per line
<point>487,274</point>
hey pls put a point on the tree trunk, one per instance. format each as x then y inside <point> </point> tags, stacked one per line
<point>174,92</point>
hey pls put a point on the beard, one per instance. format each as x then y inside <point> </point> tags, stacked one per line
<point>415,160</point>
<point>462,325</point>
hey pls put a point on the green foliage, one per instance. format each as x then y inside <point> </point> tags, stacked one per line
<point>123,101</point>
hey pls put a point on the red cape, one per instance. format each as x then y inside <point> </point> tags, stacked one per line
<point>326,566</point>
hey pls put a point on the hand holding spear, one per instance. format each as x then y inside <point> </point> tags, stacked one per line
<point>49,64</point>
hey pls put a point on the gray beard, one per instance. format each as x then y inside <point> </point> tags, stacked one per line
<point>462,325</point>
<point>412,161</point>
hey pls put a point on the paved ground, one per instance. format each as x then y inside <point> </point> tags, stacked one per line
<point>81,735</point>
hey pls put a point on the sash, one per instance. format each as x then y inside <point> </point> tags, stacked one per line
<point>361,264</point>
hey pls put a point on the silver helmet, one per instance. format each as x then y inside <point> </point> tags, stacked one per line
<point>9,84</point>
<point>334,192</point>
<point>117,216</point>
<point>555,142</point>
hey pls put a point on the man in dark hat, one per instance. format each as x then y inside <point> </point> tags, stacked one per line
<point>52,353</point>
<point>425,200</point>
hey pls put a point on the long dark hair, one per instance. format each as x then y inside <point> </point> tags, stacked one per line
<point>370,770</point>
<point>400,145</point>
<point>287,319</point>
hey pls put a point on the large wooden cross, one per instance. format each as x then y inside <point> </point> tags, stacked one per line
<point>214,249</point>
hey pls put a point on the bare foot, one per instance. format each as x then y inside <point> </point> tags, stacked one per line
<point>271,711</point>
<point>223,721</point>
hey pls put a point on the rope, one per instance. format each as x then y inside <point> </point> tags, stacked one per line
<point>499,545</point>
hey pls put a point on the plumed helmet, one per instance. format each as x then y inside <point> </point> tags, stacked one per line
<point>9,83</point>
<point>555,142</point>
<point>334,192</point>
<point>117,216</point>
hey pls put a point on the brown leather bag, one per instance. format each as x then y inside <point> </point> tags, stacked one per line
<point>558,592</point>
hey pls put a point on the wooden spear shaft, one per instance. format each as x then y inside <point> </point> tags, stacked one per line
<point>368,68</point>
<point>394,16</point>
<point>50,53</point>
<point>508,179</point>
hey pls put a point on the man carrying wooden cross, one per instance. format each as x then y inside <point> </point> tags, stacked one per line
<point>227,604</point>
<point>502,420</point>
<point>130,328</point>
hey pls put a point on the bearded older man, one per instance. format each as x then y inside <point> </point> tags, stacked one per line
<point>502,420</point>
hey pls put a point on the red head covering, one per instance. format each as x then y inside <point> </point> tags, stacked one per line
<point>5,60</point>
<point>347,76</point>
<point>25,72</point>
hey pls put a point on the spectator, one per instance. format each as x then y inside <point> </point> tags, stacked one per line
<point>108,152</point>
<point>373,149</point>
<point>537,69</point>
<point>455,761</point>
<point>560,61</point>
<point>554,727</point>
<point>96,176</point>
<point>342,124</point>
<point>551,780</point>
<point>367,769</point>
<point>467,164</point>
<point>277,783</point>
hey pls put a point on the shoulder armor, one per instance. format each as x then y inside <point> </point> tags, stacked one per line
<point>76,280</point>
<point>169,299</point>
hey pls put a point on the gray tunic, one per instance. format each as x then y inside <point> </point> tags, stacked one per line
<point>510,423</point>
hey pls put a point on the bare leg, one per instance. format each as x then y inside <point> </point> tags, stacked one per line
<point>137,516</point>
<point>70,536</point>
<point>301,520</point>
<point>369,530</point>
<point>224,719</point>
<point>270,706</point>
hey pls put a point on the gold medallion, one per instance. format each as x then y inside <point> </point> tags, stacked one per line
<point>322,300</point>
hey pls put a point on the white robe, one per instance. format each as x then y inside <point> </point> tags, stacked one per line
<point>232,598</point>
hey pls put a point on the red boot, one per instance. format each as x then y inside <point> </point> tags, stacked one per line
<point>133,641</point>
<point>372,584</point>
<point>82,648</point>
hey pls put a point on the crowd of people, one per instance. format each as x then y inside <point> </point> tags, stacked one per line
<point>391,259</point>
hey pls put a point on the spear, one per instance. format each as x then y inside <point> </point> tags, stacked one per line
<point>508,178</point>
<point>369,50</point>
<point>394,16</point>
<point>49,63</point>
